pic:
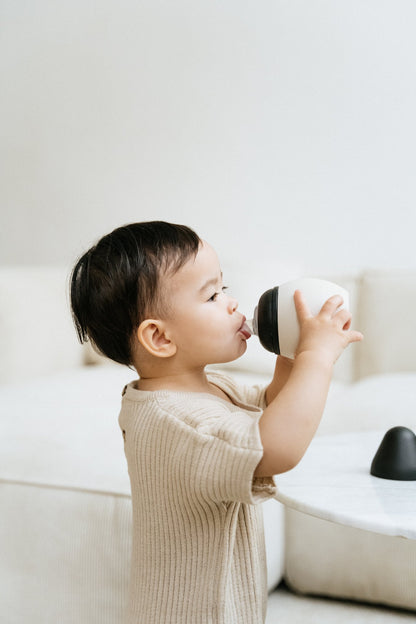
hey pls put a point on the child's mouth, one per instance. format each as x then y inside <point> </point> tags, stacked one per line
<point>244,329</point>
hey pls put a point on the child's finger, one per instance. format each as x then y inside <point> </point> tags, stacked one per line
<point>344,318</point>
<point>331,305</point>
<point>354,336</point>
<point>302,309</point>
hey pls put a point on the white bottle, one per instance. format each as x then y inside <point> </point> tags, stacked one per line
<point>275,320</point>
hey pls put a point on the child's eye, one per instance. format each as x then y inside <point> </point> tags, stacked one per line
<point>215,295</point>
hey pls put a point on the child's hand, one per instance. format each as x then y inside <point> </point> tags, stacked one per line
<point>326,334</point>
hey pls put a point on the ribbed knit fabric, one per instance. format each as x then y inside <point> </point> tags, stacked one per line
<point>198,545</point>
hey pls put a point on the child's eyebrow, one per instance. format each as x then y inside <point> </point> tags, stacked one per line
<point>211,282</point>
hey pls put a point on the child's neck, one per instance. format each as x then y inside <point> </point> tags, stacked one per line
<point>191,381</point>
<point>187,381</point>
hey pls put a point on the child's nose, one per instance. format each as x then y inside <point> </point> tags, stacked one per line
<point>232,305</point>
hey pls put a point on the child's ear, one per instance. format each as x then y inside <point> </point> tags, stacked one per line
<point>152,336</point>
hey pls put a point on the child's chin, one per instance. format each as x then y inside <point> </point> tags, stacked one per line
<point>237,355</point>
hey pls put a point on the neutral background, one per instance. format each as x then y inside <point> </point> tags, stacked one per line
<point>284,132</point>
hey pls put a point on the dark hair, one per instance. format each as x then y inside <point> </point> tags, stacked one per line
<point>115,285</point>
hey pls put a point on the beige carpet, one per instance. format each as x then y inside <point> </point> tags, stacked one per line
<point>284,607</point>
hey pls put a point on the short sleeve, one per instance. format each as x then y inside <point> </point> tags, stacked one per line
<point>227,473</point>
<point>220,452</point>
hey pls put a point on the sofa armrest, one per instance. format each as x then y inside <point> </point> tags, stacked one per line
<point>36,331</point>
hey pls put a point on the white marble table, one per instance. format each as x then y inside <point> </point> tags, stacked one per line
<point>333,482</point>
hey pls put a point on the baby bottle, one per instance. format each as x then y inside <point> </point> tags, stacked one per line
<point>275,320</point>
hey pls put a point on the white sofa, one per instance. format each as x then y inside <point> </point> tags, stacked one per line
<point>64,490</point>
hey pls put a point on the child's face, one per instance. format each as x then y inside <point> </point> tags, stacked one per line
<point>203,321</point>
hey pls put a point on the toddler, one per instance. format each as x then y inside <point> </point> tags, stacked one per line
<point>201,450</point>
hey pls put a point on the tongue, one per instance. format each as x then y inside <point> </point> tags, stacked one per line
<point>246,330</point>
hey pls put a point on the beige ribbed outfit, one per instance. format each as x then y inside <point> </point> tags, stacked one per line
<point>198,546</point>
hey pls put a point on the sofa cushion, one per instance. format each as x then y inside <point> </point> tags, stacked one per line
<point>65,555</point>
<point>329,559</point>
<point>36,331</point>
<point>387,304</point>
<point>65,530</point>
<point>62,430</point>
<point>373,403</point>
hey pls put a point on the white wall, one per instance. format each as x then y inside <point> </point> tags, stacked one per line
<point>282,130</point>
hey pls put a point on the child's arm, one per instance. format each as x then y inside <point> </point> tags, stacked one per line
<point>282,372</point>
<point>290,420</point>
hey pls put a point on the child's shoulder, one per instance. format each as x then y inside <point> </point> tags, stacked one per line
<point>222,380</point>
<point>203,412</point>
<point>174,402</point>
<point>131,393</point>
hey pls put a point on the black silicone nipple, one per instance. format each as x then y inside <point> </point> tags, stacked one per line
<point>267,320</point>
<point>396,456</point>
